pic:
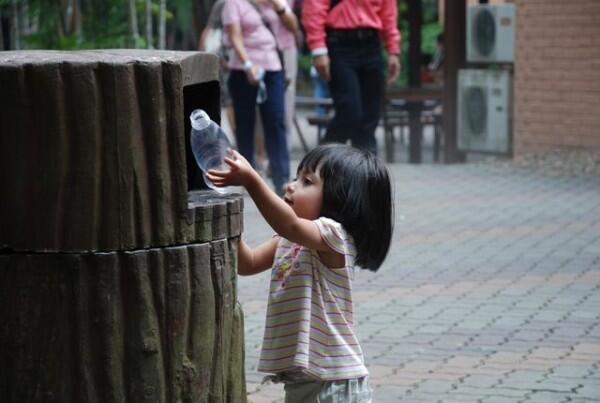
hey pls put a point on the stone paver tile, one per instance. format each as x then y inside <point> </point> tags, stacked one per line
<point>530,335</point>
<point>447,376</point>
<point>378,371</point>
<point>504,357</point>
<point>471,325</point>
<point>520,379</point>
<point>516,394</point>
<point>399,378</point>
<point>591,349</point>
<point>544,396</point>
<point>546,353</point>
<point>534,364</point>
<point>459,398</point>
<point>571,371</point>
<point>556,384</point>
<point>421,366</point>
<point>389,393</point>
<point>463,362</point>
<point>434,386</point>
<point>590,390</point>
<point>491,371</point>
<point>480,381</point>
<point>499,399</point>
<point>274,392</point>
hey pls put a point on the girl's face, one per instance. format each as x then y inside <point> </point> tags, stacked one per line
<point>305,195</point>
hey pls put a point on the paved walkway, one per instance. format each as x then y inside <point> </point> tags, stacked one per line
<point>491,291</point>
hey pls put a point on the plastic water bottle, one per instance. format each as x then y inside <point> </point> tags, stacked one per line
<point>261,95</point>
<point>210,146</point>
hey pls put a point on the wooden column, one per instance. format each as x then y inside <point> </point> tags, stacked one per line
<point>415,18</point>
<point>454,59</point>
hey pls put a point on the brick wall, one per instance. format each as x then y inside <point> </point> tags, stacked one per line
<point>557,75</point>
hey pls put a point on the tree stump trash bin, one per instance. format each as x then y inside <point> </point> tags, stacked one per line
<point>117,266</point>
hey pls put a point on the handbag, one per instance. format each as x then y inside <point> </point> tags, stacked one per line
<point>212,42</point>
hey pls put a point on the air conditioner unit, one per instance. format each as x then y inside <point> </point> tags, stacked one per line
<point>484,104</point>
<point>491,33</point>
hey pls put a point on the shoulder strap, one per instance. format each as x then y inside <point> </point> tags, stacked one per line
<point>262,17</point>
<point>268,26</point>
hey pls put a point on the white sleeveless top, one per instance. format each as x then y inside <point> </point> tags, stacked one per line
<point>309,326</point>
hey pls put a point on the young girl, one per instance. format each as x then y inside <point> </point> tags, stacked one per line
<point>335,215</point>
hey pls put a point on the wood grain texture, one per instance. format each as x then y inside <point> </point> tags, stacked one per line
<point>93,149</point>
<point>156,325</point>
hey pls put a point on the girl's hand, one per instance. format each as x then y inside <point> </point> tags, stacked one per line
<point>240,172</point>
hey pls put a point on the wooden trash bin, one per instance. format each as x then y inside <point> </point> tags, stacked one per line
<point>117,269</point>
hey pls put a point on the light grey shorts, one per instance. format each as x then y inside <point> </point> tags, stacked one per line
<point>313,391</point>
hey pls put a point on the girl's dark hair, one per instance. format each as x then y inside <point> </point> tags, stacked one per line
<point>357,193</point>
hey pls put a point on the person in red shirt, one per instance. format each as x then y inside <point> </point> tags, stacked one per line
<point>345,39</point>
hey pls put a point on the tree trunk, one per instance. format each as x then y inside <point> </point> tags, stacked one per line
<point>2,28</point>
<point>72,17</point>
<point>15,25</point>
<point>162,24</point>
<point>149,38</point>
<point>24,18</point>
<point>133,24</point>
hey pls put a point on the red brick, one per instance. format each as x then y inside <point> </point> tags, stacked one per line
<point>557,75</point>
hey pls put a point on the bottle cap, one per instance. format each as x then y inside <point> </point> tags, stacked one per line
<point>199,119</point>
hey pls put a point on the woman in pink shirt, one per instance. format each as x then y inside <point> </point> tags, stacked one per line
<point>256,76</point>
<point>345,38</point>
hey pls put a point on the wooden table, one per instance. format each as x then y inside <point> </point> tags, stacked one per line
<point>419,94</point>
<point>413,101</point>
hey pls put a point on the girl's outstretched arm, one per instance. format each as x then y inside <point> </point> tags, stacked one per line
<point>278,214</point>
<point>253,261</point>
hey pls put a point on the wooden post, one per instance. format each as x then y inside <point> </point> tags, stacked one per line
<point>415,17</point>
<point>454,59</point>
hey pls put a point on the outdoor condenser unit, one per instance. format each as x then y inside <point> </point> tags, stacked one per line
<point>491,33</point>
<point>484,117</point>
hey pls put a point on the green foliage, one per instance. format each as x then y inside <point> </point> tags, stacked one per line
<point>404,35</point>
<point>430,29</point>
<point>102,23</point>
<point>181,14</point>
<point>429,33</point>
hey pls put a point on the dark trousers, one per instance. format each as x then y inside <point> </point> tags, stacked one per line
<point>357,89</point>
<point>272,112</point>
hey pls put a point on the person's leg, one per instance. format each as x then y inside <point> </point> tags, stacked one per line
<point>273,118</point>
<point>372,87</point>
<point>345,91</point>
<point>290,58</point>
<point>260,156</point>
<point>226,100</point>
<point>243,97</point>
